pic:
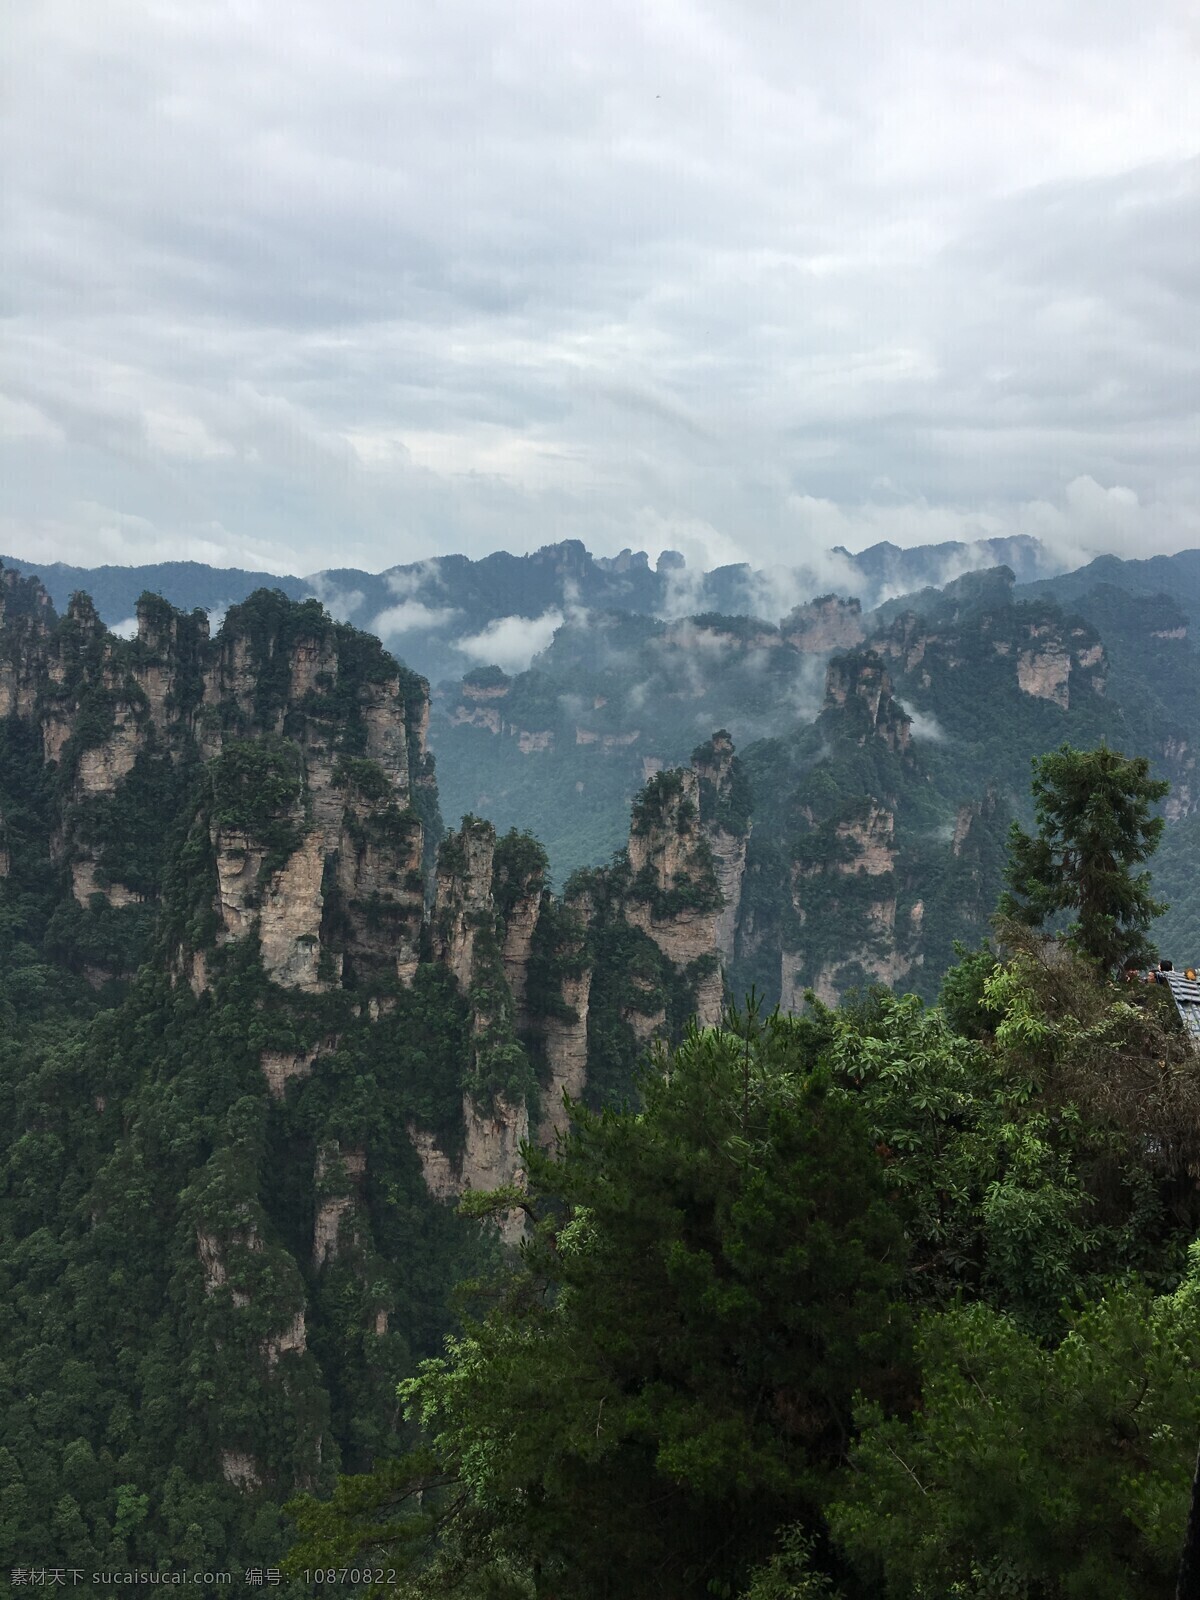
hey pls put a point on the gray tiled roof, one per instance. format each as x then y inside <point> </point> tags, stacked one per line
<point>1186,994</point>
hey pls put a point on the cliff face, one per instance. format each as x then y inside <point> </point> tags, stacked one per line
<point>825,625</point>
<point>675,896</point>
<point>860,689</point>
<point>832,899</point>
<point>1032,649</point>
<point>127,726</point>
<point>291,752</point>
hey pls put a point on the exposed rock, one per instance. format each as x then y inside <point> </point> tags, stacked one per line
<point>871,840</point>
<point>337,1193</point>
<point>464,896</point>
<point>285,909</point>
<point>518,938</point>
<point>492,1154</point>
<point>962,827</point>
<point>382,891</point>
<point>102,767</point>
<point>1045,671</point>
<point>279,1067</point>
<point>829,623</point>
<point>490,1159</point>
<point>212,1260</point>
<point>1179,760</point>
<point>240,1469</point>
<point>289,1339</point>
<point>566,1050</point>
<point>84,886</point>
<point>859,684</point>
<point>485,691</point>
<point>477,717</point>
<point>714,765</point>
<point>441,1178</point>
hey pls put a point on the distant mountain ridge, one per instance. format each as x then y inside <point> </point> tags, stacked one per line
<point>442,615</point>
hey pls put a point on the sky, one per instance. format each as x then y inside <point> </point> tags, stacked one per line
<point>296,286</point>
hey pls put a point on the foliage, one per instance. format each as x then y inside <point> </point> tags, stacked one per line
<point>963,996</point>
<point>1094,826</point>
<point>258,789</point>
<point>1060,1472</point>
<point>520,869</point>
<point>661,796</point>
<point>668,1374</point>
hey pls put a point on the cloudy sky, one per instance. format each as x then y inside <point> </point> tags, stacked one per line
<point>300,285</point>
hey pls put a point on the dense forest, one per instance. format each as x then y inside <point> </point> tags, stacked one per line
<point>368,1205</point>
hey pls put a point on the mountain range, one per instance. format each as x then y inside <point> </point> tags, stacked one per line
<point>448,613</point>
<point>266,1016</point>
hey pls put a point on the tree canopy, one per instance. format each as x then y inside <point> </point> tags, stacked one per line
<point>1094,827</point>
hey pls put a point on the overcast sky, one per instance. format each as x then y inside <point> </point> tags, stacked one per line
<point>300,285</point>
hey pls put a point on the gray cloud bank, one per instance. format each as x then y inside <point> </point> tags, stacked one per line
<point>297,287</point>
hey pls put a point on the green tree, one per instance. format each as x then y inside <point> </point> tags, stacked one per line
<point>1060,1473</point>
<point>667,1377</point>
<point>1093,829</point>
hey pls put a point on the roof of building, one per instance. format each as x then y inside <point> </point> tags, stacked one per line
<point>1185,992</point>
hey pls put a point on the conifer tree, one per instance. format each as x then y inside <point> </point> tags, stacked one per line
<point>1094,828</point>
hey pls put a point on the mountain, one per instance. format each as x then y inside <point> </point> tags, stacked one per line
<point>263,1020</point>
<point>266,1019</point>
<point>188,585</point>
<point>1177,576</point>
<point>983,679</point>
<point>448,613</point>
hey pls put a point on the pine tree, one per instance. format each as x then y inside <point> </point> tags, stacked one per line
<point>1093,829</point>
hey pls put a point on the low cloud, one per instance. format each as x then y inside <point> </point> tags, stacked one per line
<point>511,643</point>
<point>340,603</point>
<point>405,582</point>
<point>126,629</point>
<point>924,725</point>
<point>411,616</point>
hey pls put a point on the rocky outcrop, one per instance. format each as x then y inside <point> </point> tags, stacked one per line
<point>338,1181</point>
<point>292,1339</point>
<point>490,1157</point>
<point>867,842</point>
<point>826,624</point>
<point>1044,669</point>
<point>674,895</point>
<point>281,1067</point>
<point>1033,646</point>
<point>441,1176</point>
<point>564,1039</point>
<point>858,686</point>
<point>239,1468</point>
<point>113,715</point>
<point>492,1154</point>
<point>463,903</point>
<point>84,884</point>
<point>725,814</point>
<point>518,941</point>
<point>1179,763</point>
<point>290,918</point>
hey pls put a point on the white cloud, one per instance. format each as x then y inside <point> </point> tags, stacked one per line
<point>410,616</point>
<point>340,603</point>
<point>125,629</point>
<point>406,583</point>
<point>511,642</point>
<point>925,725</point>
<point>442,285</point>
